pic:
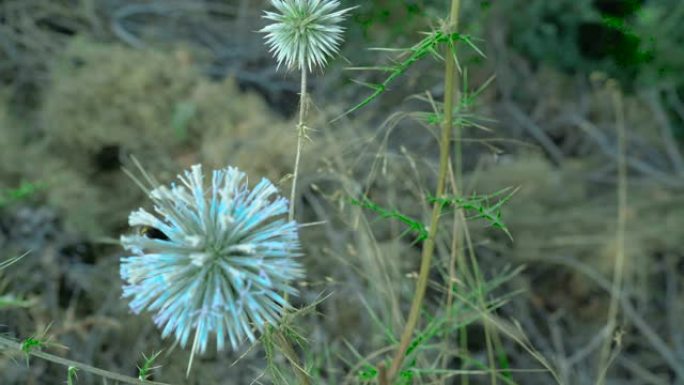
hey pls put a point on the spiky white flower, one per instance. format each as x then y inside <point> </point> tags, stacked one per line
<point>304,33</point>
<point>220,261</point>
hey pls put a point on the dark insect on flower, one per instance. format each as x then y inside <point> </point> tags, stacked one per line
<point>152,233</point>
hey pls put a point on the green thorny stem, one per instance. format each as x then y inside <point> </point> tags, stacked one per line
<point>429,247</point>
<point>301,134</point>
<point>7,344</point>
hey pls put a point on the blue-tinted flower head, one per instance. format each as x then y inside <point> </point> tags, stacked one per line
<point>304,33</point>
<point>225,259</point>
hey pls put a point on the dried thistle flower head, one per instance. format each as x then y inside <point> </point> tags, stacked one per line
<point>212,260</point>
<point>304,33</point>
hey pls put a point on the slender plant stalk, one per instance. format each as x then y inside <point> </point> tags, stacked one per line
<point>490,346</point>
<point>428,249</point>
<point>463,346</point>
<point>301,134</point>
<point>618,267</point>
<point>288,350</point>
<point>473,279</point>
<point>382,374</point>
<point>116,377</point>
<point>456,255</point>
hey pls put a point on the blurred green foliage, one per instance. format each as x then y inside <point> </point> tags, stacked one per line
<point>384,14</point>
<point>630,40</point>
<point>659,24</point>
<point>568,34</point>
<point>24,191</point>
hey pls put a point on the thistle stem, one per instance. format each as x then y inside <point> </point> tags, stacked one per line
<point>428,248</point>
<point>301,134</point>
<point>302,375</point>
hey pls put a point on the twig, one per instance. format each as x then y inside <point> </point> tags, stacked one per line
<point>675,102</point>
<point>537,132</point>
<point>660,346</point>
<point>641,372</point>
<point>666,134</point>
<point>672,295</point>
<point>160,7</point>
<point>634,163</point>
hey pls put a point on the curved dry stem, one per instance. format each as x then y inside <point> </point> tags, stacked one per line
<point>619,266</point>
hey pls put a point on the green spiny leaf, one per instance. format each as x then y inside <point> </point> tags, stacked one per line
<point>480,204</point>
<point>413,225</point>
<point>415,53</point>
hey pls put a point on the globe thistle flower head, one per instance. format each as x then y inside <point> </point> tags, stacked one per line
<point>222,257</point>
<point>304,33</point>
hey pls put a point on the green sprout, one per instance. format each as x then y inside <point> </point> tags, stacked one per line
<point>145,371</point>
<point>30,344</point>
<point>24,191</point>
<point>368,373</point>
<point>71,375</point>
<point>406,376</point>
<point>35,343</point>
